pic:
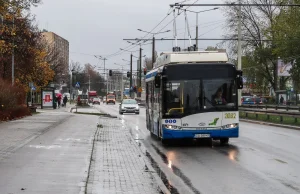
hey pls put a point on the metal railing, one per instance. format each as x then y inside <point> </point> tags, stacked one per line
<point>268,113</point>
<point>271,106</point>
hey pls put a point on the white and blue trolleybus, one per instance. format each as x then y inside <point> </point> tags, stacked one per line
<point>192,95</point>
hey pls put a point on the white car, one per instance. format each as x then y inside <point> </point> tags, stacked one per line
<point>129,106</point>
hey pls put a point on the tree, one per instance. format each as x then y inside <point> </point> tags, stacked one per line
<point>24,39</point>
<point>148,63</point>
<point>88,75</point>
<point>287,31</point>
<point>211,48</point>
<point>256,22</point>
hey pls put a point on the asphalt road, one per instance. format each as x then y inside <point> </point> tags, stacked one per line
<point>263,159</point>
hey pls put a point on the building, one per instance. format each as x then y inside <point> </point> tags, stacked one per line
<point>59,46</point>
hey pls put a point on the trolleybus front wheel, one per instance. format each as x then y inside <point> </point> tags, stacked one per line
<point>224,141</point>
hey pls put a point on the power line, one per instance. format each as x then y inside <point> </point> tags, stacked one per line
<point>133,46</point>
<point>237,4</point>
<point>117,53</point>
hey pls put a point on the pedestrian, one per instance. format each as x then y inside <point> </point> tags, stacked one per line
<point>281,100</point>
<point>58,101</point>
<point>65,100</point>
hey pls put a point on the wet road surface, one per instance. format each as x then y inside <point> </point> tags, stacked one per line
<point>263,159</point>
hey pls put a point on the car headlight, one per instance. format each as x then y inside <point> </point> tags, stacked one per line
<point>230,126</point>
<point>173,127</point>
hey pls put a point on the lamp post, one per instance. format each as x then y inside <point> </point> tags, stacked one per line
<point>197,12</point>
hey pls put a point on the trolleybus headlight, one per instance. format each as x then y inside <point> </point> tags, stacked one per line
<point>173,127</point>
<point>230,126</point>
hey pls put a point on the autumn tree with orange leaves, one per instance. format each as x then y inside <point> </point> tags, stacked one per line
<point>19,32</point>
<point>19,35</point>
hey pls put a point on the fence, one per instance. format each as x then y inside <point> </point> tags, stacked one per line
<point>292,116</point>
<point>270,106</point>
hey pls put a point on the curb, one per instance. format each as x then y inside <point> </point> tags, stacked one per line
<point>270,124</point>
<point>151,170</point>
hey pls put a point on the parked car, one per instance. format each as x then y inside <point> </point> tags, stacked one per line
<point>96,101</point>
<point>252,100</point>
<point>129,106</point>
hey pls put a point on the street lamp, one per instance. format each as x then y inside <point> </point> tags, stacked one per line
<point>197,12</point>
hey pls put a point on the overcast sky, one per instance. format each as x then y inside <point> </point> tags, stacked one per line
<point>97,27</point>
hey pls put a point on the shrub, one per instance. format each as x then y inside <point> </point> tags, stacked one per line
<point>12,100</point>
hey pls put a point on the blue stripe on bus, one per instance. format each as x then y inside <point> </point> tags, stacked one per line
<point>151,75</point>
<point>177,134</point>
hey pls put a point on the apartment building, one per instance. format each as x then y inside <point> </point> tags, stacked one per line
<point>61,47</point>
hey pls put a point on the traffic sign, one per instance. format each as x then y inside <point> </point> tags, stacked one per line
<point>77,85</point>
<point>31,84</point>
<point>33,88</point>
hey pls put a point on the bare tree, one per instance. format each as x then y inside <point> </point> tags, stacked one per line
<point>256,24</point>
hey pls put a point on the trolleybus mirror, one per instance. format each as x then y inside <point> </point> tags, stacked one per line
<point>240,83</point>
<point>157,81</point>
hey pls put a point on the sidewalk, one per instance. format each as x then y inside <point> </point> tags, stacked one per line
<point>17,133</point>
<point>118,164</point>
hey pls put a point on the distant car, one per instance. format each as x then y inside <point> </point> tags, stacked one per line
<point>96,101</point>
<point>129,106</point>
<point>252,100</point>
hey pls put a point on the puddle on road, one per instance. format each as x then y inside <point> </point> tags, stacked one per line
<point>231,151</point>
<point>176,170</point>
<point>44,147</point>
<point>69,139</point>
<point>162,175</point>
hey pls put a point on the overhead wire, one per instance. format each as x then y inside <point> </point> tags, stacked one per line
<point>118,53</point>
<point>128,47</point>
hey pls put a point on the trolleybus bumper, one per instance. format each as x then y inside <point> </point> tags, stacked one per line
<point>191,134</point>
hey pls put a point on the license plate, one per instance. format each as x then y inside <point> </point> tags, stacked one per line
<point>202,135</point>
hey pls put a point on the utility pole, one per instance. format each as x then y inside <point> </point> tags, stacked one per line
<point>89,82</point>
<point>140,72</point>
<point>197,35</point>
<point>105,77</point>
<point>153,52</point>
<point>130,82</point>
<point>239,50</point>
<point>122,86</point>
<point>13,55</point>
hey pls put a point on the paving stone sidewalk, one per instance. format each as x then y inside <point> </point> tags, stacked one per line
<point>117,163</point>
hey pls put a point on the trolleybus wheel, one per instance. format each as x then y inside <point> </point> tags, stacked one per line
<point>165,141</point>
<point>224,141</point>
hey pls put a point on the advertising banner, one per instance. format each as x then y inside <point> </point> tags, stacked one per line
<point>47,98</point>
<point>283,69</point>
